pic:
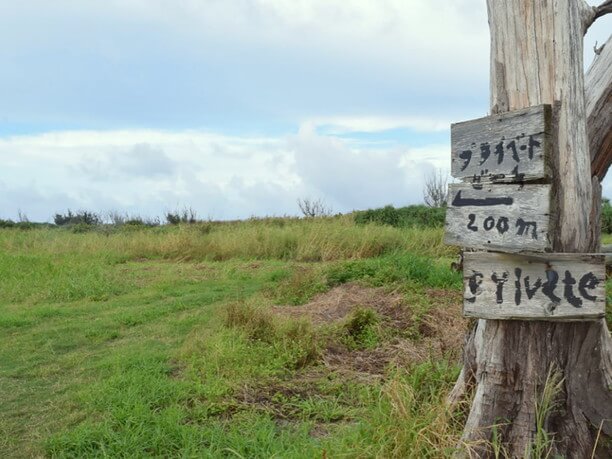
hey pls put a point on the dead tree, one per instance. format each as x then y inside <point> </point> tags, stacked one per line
<point>435,191</point>
<point>536,58</point>
<point>312,208</point>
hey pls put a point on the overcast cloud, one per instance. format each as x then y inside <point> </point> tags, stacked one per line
<point>234,108</point>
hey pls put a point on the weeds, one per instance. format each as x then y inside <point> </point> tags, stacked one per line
<point>361,329</point>
<point>257,323</point>
<point>543,443</point>
<point>295,340</point>
<point>307,241</point>
<point>412,419</point>
<point>298,286</point>
<point>109,349</point>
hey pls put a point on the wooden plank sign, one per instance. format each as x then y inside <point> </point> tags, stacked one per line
<point>510,147</point>
<point>513,218</point>
<point>559,286</point>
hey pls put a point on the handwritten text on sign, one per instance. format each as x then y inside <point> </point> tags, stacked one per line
<point>513,218</point>
<point>548,286</point>
<point>511,147</point>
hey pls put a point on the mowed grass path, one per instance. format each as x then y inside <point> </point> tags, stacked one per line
<point>117,343</point>
<point>51,352</point>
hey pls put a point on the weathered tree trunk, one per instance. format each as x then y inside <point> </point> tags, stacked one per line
<point>598,99</point>
<point>536,58</point>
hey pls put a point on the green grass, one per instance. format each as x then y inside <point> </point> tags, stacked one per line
<point>161,342</point>
<point>326,239</point>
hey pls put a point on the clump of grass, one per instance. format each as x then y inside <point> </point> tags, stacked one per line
<point>411,419</point>
<point>361,329</point>
<point>256,322</point>
<point>543,442</point>
<point>294,340</point>
<point>80,228</point>
<point>298,286</point>
<point>299,343</point>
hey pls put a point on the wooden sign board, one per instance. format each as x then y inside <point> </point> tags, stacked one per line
<point>559,286</point>
<point>512,218</point>
<point>511,147</point>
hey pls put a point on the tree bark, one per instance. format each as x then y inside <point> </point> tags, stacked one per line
<point>536,58</point>
<point>598,97</point>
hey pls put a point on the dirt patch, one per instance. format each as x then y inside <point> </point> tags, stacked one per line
<point>367,365</point>
<point>253,265</point>
<point>341,301</point>
<point>415,337</point>
<point>439,332</point>
<point>444,323</point>
<point>299,398</point>
<point>279,398</point>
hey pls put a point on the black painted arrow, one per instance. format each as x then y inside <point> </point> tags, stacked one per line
<point>458,201</point>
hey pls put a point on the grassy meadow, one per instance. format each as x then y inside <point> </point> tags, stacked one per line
<point>264,338</point>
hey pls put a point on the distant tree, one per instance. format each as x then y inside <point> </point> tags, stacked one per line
<point>23,218</point>
<point>117,218</point>
<point>435,191</point>
<point>312,208</point>
<point>186,215</point>
<point>79,217</point>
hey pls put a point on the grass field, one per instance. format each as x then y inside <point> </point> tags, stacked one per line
<point>267,338</point>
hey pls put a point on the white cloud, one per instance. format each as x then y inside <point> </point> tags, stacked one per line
<point>356,178</point>
<point>345,124</point>
<point>338,67</point>
<point>225,177</point>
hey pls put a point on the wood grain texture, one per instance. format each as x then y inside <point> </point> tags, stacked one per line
<point>549,287</point>
<point>598,99</point>
<point>536,58</point>
<point>545,71</point>
<point>520,223</point>
<point>509,147</point>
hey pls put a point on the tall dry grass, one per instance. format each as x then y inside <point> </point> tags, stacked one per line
<point>300,240</point>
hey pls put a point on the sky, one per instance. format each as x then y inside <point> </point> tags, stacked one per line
<point>235,108</point>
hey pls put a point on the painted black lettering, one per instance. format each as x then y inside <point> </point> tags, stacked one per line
<point>470,225</point>
<point>500,281</point>
<point>474,285</point>
<point>512,146</point>
<point>459,201</point>
<point>502,225</point>
<point>485,152</point>
<point>520,177</point>
<point>533,143</point>
<point>488,223</point>
<point>588,281</point>
<point>499,151</point>
<point>568,291</point>
<point>548,287</point>
<point>532,290</point>
<point>466,155</point>
<point>517,284</point>
<point>524,227</point>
